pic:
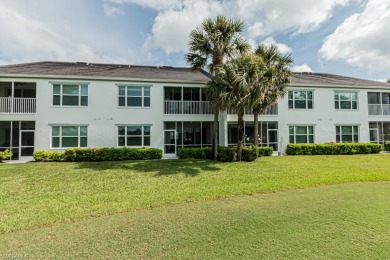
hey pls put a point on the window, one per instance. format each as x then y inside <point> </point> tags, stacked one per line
<point>347,134</point>
<point>68,136</point>
<point>134,96</point>
<point>345,100</point>
<point>378,103</point>
<point>133,136</point>
<point>300,99</point>
<point>70,95</point>
<point>301,134</point>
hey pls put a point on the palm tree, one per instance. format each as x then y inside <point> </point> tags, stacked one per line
<point>234,81</point>
<point>272,85</point>
<point>210,45</point>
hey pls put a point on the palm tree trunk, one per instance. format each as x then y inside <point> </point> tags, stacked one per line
<point>256,128</point>
<point>215,135</point>
<point>240,134</point>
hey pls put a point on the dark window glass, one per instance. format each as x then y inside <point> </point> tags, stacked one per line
<point>134,101</point>
<point>134,141</point>
<point>146,101</point>
<point>56,100</point>
<point>70,142</point>
<point>122,101</point>
<point>70,100</point>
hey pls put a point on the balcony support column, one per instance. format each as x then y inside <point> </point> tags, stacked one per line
<point>12,96</point>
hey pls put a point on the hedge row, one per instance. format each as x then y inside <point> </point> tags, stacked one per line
<point>333,149</point>
<point>98,154</point>
<point>5,155</point>
<point>387,146</point>
<point>194,153</point>
<point>225,154</point>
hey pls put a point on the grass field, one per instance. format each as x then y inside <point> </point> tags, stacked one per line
<point>170,208</point>
<point>328,222</point>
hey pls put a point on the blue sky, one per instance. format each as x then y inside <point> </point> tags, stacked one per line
<point>347,37</point>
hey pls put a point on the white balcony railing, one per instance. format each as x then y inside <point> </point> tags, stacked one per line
<point>187,107</point>
<point>17,105</point>
<point>272,110</point>
<point>379,109</point>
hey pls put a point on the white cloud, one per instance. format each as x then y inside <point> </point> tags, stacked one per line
<point>25,38</point>
<point>362,40</point>
<point>301,68</point>
<point>172,27</point>
<point>176,18</point>
<point>265,17</point>
<point>283,48</point>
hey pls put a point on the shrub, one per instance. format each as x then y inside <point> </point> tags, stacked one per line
<point>6,154</point>
<point>250,153</point>
<point>333,148</point>
<point>99,154</point>
<point>265,151</point>
<point>41,155</point>
<point>227,154</point>
<point>387,146</point>
<point>194,153</point>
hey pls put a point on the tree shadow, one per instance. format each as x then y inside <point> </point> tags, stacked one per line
<point>159,167</point>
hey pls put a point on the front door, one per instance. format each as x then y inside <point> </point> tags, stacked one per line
<point>273,138</point>
<point>26,142</point>
<point>374,135</point>
<point>170,142</point>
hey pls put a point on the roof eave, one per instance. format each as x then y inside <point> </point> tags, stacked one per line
<point>99,78</point>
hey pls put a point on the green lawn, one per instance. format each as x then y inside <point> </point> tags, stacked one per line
<point>39,194</point>
<point>346,221</point>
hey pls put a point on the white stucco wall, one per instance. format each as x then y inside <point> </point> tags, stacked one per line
<point>102,115</point>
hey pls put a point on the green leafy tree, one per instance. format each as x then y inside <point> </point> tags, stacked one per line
<point>235,81</point>
<point>272,85</point>
<point>214,42</point>
<point>388,81</point>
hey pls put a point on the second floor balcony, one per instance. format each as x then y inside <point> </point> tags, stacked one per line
<point>174,107</point>
<point>17,98</point>
<point>271,111</point>
<point>17,105</point>
<point>379,109</point>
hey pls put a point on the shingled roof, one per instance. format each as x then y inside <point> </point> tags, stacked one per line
<point>52,68</point>
<point>307,78</point>
<point>83,69</point>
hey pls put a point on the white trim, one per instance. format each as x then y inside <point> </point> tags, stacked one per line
<point>69,83</point>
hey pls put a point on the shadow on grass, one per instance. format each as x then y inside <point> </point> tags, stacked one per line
<point>158,167</point>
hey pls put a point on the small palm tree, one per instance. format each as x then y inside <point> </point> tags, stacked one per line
<point>234,81</point>
<point>210,45</point>
<point>272,85</point>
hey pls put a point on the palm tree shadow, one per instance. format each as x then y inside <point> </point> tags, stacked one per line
<point>189,167</point>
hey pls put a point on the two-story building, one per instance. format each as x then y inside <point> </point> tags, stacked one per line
<point>55,105</point>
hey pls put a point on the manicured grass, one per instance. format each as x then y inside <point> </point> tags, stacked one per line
<point>39,194</point>
<point>346,221</point>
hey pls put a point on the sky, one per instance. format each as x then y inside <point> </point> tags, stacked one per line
<point>345,37</point>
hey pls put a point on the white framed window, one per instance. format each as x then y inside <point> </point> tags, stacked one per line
<point>346,100</point>
<point>133,135</point>
<point>301,134</point>
<point>70,95</point>
<point>134,96</point>
<point>300,99</point>
<point>63,136</point>
<point>347,133</point>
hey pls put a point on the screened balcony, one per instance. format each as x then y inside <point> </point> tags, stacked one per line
<point>379,104</point>
<point>271,111</point>
<point>186,101</point>
<point>17,98</point>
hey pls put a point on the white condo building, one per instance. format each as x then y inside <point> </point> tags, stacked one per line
<point>54,105</point>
